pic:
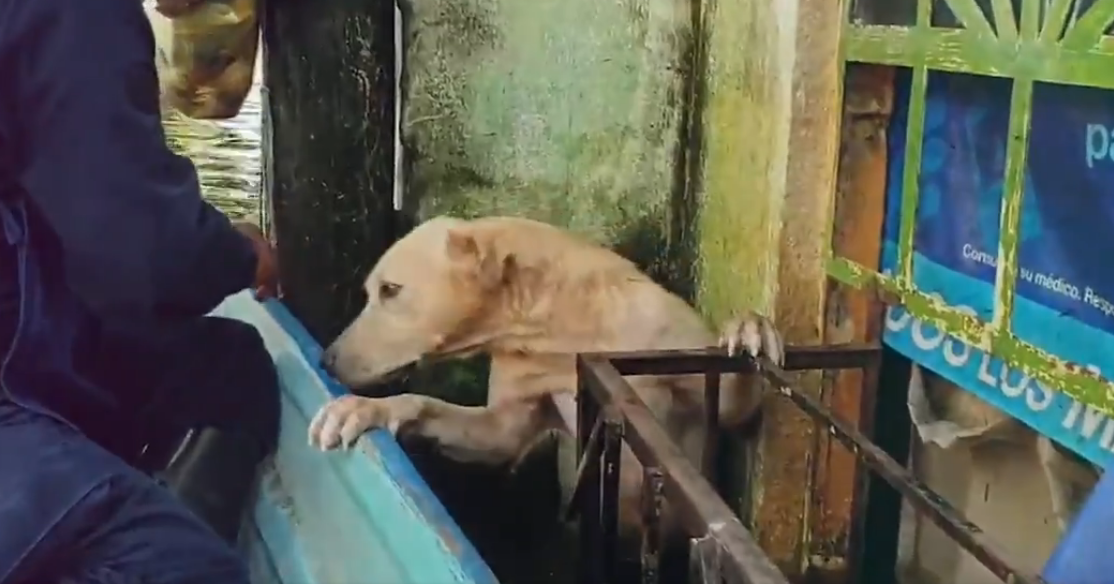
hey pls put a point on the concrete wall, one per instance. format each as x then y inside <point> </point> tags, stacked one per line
<point>571,112</point>
<point>657,127</point>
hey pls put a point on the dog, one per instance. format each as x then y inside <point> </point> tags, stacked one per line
<point>531,296</point>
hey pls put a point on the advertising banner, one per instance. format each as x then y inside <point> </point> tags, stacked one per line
<point>1065,289</point>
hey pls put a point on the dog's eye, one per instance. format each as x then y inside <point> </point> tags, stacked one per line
<point>387,290</point>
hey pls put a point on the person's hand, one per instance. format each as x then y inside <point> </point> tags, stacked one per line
<point>266,268</point>
<point>173,8</point>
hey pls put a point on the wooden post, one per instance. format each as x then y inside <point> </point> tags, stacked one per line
<point>852,316</point>
<point>329,74</point>
<point>773,143</point>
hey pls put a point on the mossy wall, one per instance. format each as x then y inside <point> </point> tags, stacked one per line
<point>748,73</point>
<point>570,112</point>
<point>657,127</point>
<point>575,112</point>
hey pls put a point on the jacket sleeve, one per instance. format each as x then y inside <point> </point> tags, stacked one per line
<point>137,239</point>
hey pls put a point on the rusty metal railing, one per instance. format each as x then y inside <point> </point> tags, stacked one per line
<point>609,413</point>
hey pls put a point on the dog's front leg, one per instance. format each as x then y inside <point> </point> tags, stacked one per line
<point>741,395</point>
<point>493,434</point>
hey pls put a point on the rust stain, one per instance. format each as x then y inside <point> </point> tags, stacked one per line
<point>852,315</point>
<point>788,456</point>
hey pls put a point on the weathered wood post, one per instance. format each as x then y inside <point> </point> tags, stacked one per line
<point>329,72</point>
<point>772,209</point>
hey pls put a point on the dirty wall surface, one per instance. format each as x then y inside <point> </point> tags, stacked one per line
<point>568,112</point>
<point>575,113</point>
<point>656,127</point>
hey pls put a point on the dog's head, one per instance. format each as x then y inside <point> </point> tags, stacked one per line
<point>425,299</point>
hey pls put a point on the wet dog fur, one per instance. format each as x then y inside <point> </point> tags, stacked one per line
<point>531,296</point>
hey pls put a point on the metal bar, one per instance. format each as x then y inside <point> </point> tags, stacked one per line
<point>589,566</point>
<point>587,412</point>
<point>609,493</point>
<point>1013,192</point>
<point>938,48</point>
<point>1030,21</point>
<point>653,486</point>
<point>696,503</point>
<point>1004,19</point>
<point>875,545</point>
<point>972,19</point>
<point>705,561</point>
<point>711,427</point>
<point>1087,31</point>
<point>714,360</point>
<point>1054,21</point>
<point>910,180</point>
<point>1069,378</point>
<point>591,563</point>
<point>700,510</point>
<point>591,451</point>
<point>924,14</point>
<point>923,499</point>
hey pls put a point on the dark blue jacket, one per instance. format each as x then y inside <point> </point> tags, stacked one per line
<point>106,236</point>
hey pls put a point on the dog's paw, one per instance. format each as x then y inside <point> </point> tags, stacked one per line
<point>342,421</point>
<point>754,334</point>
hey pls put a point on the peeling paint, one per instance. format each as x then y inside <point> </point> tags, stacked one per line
<point>1069,378</point>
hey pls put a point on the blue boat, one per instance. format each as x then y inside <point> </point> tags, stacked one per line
<point>358,516</point>
<point>1083,554</point>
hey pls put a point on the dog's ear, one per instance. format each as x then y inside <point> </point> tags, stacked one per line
<point>486,266</point>
<point>462,247</point>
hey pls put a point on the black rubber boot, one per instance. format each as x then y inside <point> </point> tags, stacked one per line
<point>213,473</point>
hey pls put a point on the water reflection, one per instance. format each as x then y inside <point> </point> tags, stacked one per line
<point>227,155</point>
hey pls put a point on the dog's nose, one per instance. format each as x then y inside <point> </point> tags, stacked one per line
<point>328,360</point>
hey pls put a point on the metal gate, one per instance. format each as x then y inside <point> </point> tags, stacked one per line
<point>721,548</point>
<point>1028,42</point>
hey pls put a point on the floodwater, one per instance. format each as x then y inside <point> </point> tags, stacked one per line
<point>227,153</point>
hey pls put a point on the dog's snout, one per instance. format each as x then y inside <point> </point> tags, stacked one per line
<point>329,360</point>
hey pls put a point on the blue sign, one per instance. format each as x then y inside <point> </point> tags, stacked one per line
<point>1065,289</point>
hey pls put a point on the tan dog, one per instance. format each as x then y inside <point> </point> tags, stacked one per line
<point>532,296</point>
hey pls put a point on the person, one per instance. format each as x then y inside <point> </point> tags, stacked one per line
<point>131,425</point>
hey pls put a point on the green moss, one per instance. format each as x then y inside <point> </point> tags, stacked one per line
<point>567,112</point>
<point>745,120</point>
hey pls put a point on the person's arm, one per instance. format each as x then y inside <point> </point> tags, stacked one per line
<point>138,241</point>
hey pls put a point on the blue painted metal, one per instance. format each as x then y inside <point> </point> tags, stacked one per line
<point>363,515</point>
<point>1085,555</point>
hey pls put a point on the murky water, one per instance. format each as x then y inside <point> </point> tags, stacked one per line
<point>227,154</point>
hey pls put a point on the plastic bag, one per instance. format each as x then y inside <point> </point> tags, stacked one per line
<point>211,59</point>
<point>944,413</point>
